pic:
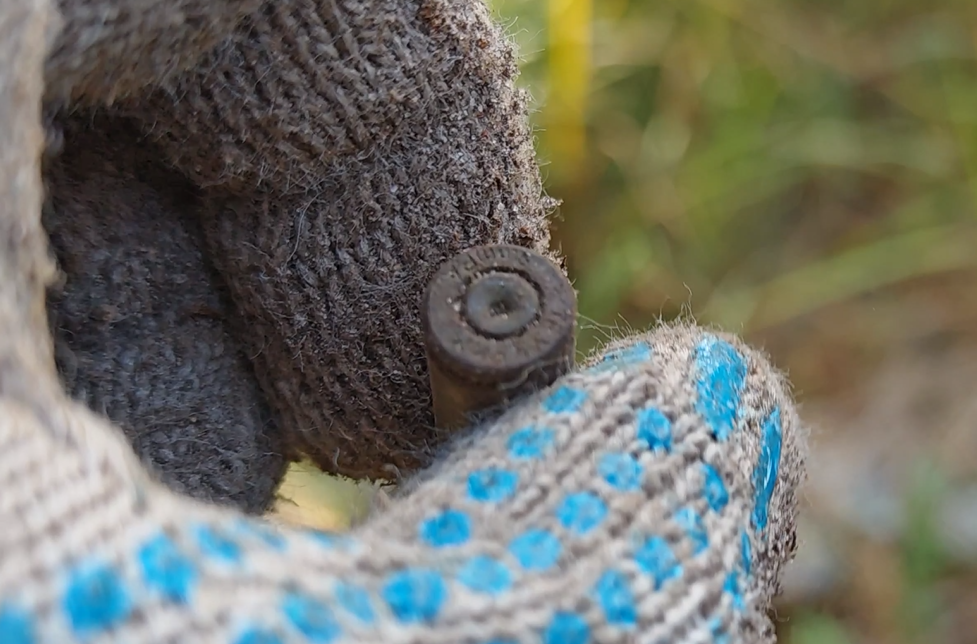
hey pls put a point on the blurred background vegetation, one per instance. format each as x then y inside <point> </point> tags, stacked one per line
<point>802,172</point>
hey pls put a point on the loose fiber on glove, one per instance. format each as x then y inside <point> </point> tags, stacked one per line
<point>649,497</point>
<point>347,149</point>
<point>140,324</point>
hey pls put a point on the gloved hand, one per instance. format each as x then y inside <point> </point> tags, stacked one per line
<point>330,157</point>
<point>333,154</point>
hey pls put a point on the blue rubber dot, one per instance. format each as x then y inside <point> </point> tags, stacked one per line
<point>566,628</point>
<point>656,558</point>
<point>732,587</point>
<point>16,626</point>
<point>767,469</point>
<point>655,429</point>
<point>745,554</point>
<point>485,575</point>
<point>492,485</point>
<point>719,635</point>
<point>216,545</point>
<point>530,443</point>
<point>714,489</point>
<point>613,593</point>
<point>720,373</point>
<point>622,358</point>
<point>450,528</point>
<point>96,599</point>
<point>536,550</point>
<point>621,471</point>
<point>415,595</point>
<point>310,617</point>
<point>565,400</point>
<point>258,636</point>
<point>166,569</point>
<point>581,512</point>
<point>355,601</point>
<point>694,528</point>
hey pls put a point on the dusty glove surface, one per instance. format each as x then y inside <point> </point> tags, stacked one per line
<point>141,324</point>
<point>650,496</point>
<point>345,150</point>
<point>336,154</point>
<point>103,49</point>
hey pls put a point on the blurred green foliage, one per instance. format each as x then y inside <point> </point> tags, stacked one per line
<point>924,561</point>
<point>803,172</point>
<point>754,162</point>
<point>816,629</point>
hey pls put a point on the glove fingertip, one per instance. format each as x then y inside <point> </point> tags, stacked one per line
<point>747,402</point>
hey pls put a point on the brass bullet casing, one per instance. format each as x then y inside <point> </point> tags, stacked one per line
<point>499,322</point>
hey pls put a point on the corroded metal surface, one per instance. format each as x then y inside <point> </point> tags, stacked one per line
<point>499,322</point>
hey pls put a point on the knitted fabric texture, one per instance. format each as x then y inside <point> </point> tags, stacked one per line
<point>343,150</point>
<point>347,150</point>
<point>139,323</point>
<point>107,48</point>
<point>650,497</point>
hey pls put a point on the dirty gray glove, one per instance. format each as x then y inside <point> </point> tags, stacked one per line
<point>244,240</point>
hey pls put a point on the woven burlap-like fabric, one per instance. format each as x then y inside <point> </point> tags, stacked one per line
<point>649,498</point>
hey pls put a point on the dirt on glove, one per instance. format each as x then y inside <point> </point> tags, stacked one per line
<point>250,200</point>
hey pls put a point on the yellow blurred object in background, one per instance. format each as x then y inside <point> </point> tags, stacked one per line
<point>310,498</point>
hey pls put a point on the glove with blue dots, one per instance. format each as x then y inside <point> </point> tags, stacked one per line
<point>649,496</point>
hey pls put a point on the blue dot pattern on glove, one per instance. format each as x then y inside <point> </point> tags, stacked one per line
<point>450,528</point>
<point>531,443</point>
<point>492,485</point>
<point>536,550</point>
<point>310,617</point>
<point>415,595</point>
<point>167,570</point>
<point>655,429</point>
<point>614,595</point>
<point>485,575</point>
<point>658,559</point>
<point>98,597</point>
<point>16,625</point>
<point>621,471</point>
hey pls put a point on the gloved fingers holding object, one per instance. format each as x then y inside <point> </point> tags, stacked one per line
<point>649,496</point>
<point>332,156</point>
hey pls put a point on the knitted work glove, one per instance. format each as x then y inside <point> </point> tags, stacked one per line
<point>263,304</point>
<point>346,149</point>
<point>649,496</point>
<point>140,323</point>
